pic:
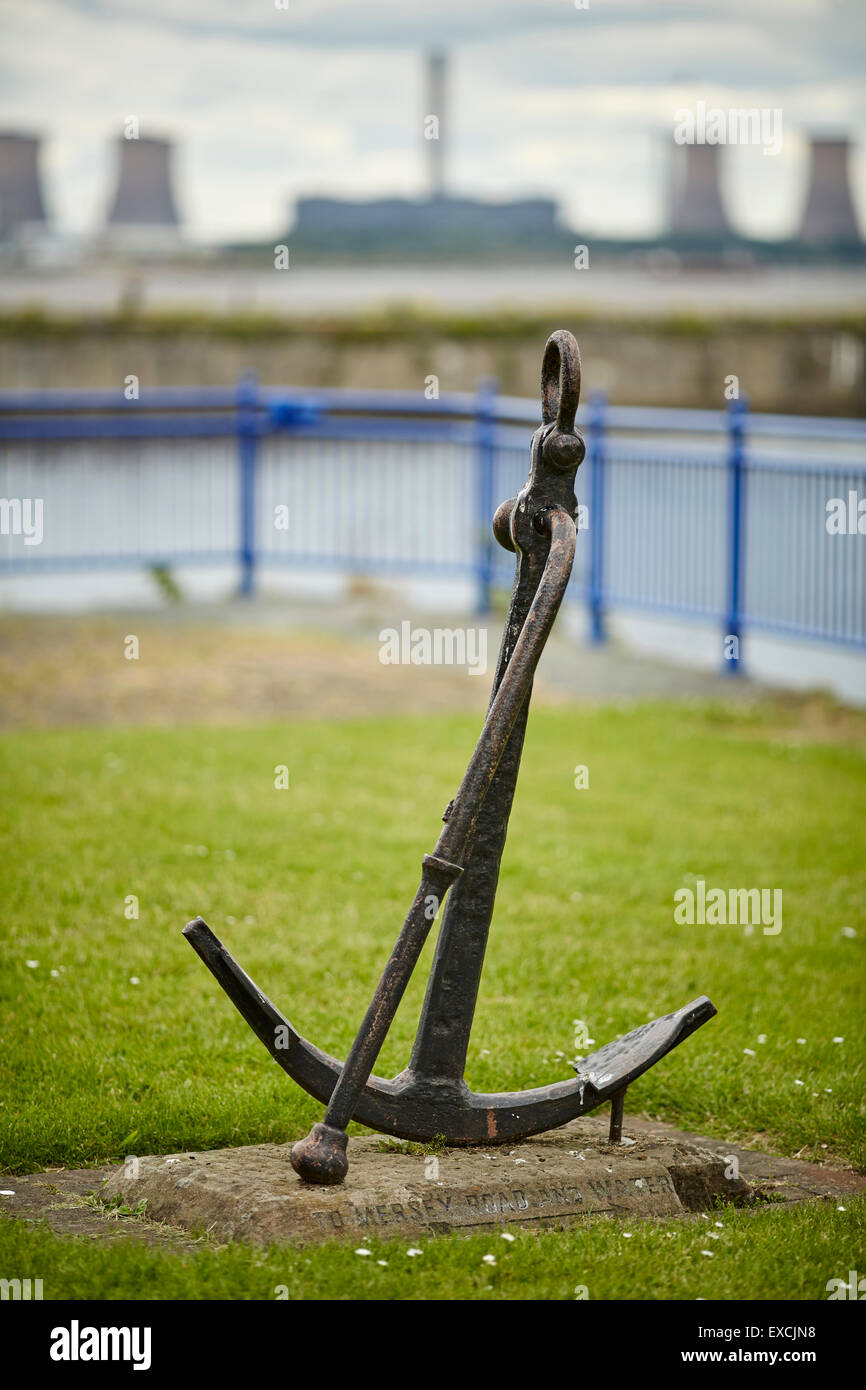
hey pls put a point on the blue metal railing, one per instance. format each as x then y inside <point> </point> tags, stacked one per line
<point>596,503</point>
<point>736,508</point>
<point>721,515</point>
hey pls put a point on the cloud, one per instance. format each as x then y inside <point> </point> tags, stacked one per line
<point>328,96</point>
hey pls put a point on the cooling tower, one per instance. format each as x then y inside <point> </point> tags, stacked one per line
<point>436,99</point>
<point>696,201</point>
<point>143,196</point>
<point>829,216</point>
<point>21,203</point>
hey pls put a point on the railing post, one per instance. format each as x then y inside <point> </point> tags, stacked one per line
<point>596,423</point>
<point>247,399</point>
<point>485,452</point>
<point>732,636</point>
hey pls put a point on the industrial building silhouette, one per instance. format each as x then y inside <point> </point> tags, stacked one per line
<point>142,212</point>
<point>828,215</point>
<point>21,206</point>
<point>696,207</point>
<point>143,194</point>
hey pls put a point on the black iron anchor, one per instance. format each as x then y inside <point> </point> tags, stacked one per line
<point>431,1098</point>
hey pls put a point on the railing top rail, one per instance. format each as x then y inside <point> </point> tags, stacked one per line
<point>672,419</point>
<point>228,398</point>
<point>506,410</point>
<point>59,402</point>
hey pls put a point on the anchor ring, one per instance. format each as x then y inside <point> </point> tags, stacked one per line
<point>560,381</point>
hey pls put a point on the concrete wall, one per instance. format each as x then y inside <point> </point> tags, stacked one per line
<point>811,369</point>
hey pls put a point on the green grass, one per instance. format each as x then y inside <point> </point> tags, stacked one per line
<point>404,322</point>
<point>308,886</point>
<point>775,1255</point>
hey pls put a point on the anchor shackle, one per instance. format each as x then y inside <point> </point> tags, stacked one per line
<point>562,446</point>
<point>556,452</point>
<point>560,381</point>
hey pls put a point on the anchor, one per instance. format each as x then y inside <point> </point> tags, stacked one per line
<point>430,1098</point>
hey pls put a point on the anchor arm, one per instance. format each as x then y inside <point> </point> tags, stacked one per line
<point>312,1068</point>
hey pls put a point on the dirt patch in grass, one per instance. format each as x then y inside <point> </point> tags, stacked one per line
<point>67,1200</point>
<point>790,720</point>
<point>71,671</point>
<point>239,669</point>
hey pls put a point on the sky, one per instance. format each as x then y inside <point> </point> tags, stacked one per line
<point>269,100</point>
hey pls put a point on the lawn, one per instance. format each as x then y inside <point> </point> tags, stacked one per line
<point>117,1040</point>
<point>730,1255</point>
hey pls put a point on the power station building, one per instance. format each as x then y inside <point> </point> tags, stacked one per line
<point>433,226</point>
<point>829,218</point>
<point>696,209</point>
<point>438,224</point>
<point>22,210</point>
<point>143,212</point>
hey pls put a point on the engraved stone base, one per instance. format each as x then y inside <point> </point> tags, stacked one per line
<point>572,1174</point>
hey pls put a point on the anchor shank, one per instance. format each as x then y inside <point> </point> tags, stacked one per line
<point>514,688</point>
<point>442,867</point>
<point>445,1024</point>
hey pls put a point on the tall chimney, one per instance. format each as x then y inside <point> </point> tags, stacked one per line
<point>696,201</point>
<point>828,215</point>
<point>436,98</point>
<point>143,194</point>
<point>21,202</point>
